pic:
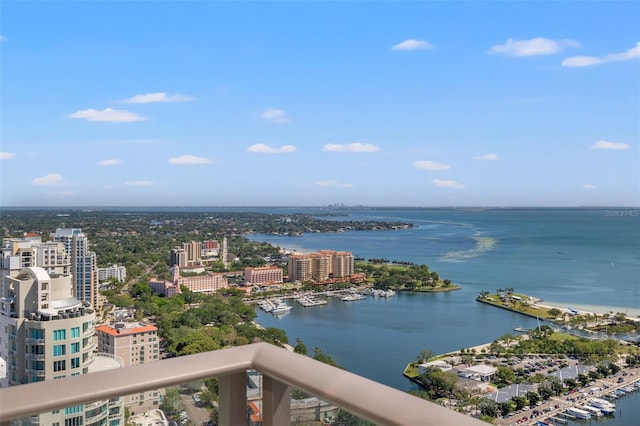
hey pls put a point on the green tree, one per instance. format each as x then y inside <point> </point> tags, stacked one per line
<point>424,356</point>
<point>300,347</point>
<point>438,383</point>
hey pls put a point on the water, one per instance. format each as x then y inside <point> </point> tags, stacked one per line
<point>569,257</point>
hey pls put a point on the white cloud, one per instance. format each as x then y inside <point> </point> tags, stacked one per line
<point>532,47</point>
<point>109,162</point>
<point>351,147</point>
<point>6,155</point>
<point>108,114</point>
<point>47,180</point>
<point>139,183</point>
<point>487,157</point>
<point>158,97</point>
<point>588,186</point>
<point>189,159</point>
<point>108,186</point>
<point>333,183</point>
<point>448,183</point>
<point>275,115</point>
<point>585,61</point>
<point>609,145</point>
<point>2,38</point>
<point>412,45</point>
<point>430,165</point>
<point>266,149</point>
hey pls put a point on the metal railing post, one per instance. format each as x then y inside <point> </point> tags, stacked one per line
<point>276,402</point>
<point>233,399</point>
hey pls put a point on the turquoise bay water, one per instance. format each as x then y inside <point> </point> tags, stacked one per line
<point>568,257</point>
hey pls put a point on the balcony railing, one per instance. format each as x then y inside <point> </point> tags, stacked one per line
<point>281,370</point>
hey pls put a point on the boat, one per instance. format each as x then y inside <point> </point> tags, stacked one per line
<point>382,293</point>
<point>592,410</point>
<point>353,297</point>
<point>601,403</point>
<point>520,329</point>
<point>308,301</point>
<point>266,305</point>
<point>281,307</point>
<point>578,413</point>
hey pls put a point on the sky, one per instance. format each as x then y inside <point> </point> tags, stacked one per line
<point>203,103</point>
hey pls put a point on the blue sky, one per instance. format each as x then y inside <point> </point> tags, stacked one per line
<point>313,103</point>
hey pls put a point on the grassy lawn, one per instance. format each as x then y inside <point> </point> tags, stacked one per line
<point>519,305</point>
<point>411,371</point>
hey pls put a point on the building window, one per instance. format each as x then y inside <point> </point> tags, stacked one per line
<point>75,362</point>
<point>59,334</point>
<point>75,347</point>
<point>73,410</point>
<point>59,365</point>
<point>75,332</point>
<point>59,350</point>
<point>73,421</point>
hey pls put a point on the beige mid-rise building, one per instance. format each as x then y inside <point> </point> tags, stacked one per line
<point>321,265</point>
<point>135,343</point>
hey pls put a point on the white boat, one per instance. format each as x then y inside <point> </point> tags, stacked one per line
<point>578,413</point>
<point>353,297</point>
<point>601,403</point>
<point>281,307</point>
<point>382,293</point>
<point>592,410</point>
<point>266,305</point>
<point>308,301</point>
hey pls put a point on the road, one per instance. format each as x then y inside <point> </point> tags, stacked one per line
<point>197,415</point>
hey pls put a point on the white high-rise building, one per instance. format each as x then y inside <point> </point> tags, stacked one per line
<point>83,263</point>
<point>114,271</point>
<point>46,333</point>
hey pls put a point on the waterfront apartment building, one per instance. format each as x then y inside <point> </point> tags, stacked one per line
<point>263,275</point>
<point>19,253</point>
<point>135,343</point>
<point>299,267</point>
<point>118,272</point>
<point>320,266</point>
<point>46,333</point>
<point>83,263</point>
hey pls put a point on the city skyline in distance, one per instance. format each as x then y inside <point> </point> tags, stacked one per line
<point>310,104</point>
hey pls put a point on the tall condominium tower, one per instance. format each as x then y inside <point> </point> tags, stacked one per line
<point>48,334</point>
<point>83,263</point>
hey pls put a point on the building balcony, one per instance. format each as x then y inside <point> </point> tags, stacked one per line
<point>38,373</point>
<point>281,371</point>
<point>37,357</point>
<point>34,341</point>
